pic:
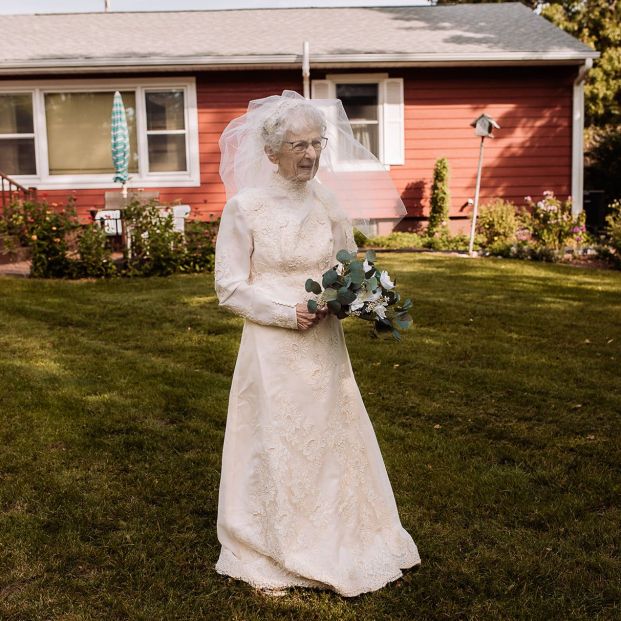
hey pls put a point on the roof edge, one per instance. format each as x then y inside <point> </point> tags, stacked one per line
<point>289,61</point>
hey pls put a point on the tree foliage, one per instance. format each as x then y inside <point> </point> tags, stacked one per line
<point>440,199</point>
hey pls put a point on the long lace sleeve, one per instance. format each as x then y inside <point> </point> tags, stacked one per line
<point>234,247</point>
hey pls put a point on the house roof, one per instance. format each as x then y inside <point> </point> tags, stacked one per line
<point>503,33</point>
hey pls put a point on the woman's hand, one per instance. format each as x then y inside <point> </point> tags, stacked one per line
<point>307,319</point>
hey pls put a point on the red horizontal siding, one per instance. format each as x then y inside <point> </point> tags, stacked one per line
<point>529,154</point>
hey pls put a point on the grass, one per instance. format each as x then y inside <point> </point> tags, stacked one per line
<point>498,417</point>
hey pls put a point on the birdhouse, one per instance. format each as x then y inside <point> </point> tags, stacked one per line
<point>483,126</point>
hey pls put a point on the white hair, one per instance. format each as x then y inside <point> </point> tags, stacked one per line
<point>291,116</point>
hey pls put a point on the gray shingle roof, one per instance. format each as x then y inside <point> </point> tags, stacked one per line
<point>462,33</point>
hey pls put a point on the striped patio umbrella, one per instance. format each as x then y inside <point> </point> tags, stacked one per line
<point>120,142</point>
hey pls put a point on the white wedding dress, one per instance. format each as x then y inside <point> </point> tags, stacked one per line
<point>304,496</point>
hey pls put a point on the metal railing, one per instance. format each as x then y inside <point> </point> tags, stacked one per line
<point>10,190</point>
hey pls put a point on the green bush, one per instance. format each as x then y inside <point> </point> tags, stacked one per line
<point>95,259</point>
<point>48,231</point>
<point>445,241</point>
<point>497,227</point>
<point>360,239</point>
<point>155,248</point>
<point>396,240</point>
<point>200,245</point>
<point>62,248</point>
<point>612,240</point>
<point>553,227</point>
<point>440,200</point>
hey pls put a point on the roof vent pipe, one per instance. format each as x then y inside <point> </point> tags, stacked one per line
<point>306,69</point>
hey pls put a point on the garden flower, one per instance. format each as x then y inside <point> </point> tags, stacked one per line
<point>34,238</point>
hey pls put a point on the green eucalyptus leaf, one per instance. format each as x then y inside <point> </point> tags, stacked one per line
<point>370,256</point>
<point>334,306</point>
<point>312,306</point>
<point>329,294</point>
<point>316,288</point>
<point>329,278</point>
<point>345,296</point>
<point>403,325</point>
<point>347,280</point>
<point>357,266</point>
<point>372,283</point>
<point>343,256</point>
<point>396,335</point>
<point>357,278</point>
<point>309,285</point>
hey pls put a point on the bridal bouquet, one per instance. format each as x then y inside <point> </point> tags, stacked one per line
<point>358,288</point>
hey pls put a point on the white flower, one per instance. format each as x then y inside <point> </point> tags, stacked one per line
<point>357,304</point>
<point>380,311</point>
<point>369,296</point>
<point>365,266</point>
<point>385,280</point>
<point>339,269</point>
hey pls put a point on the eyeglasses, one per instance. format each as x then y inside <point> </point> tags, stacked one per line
<point>302,145</point>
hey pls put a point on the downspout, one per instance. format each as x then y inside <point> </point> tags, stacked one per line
<point>577,139</point>
<point>306,69</point>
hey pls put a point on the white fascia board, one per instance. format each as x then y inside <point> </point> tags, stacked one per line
<point>285,60</point>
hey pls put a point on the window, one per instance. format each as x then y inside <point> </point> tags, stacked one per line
<point>361,105</point>
<point>374,105</point>
<point>78,132</point>
<point>58,133</point>
<point>166,131</point>
<point>17,138</point>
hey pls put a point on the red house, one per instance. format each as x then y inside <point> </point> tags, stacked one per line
<point>411,79</point>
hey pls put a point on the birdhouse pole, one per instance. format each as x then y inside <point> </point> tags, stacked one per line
<point>475,210</point>
<point>483,126</point>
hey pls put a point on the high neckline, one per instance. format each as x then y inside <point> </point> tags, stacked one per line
<point>299,189</point>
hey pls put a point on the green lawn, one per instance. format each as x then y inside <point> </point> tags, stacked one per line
<point>498,417</point>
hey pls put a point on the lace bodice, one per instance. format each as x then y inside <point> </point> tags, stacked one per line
<point>271,239</point>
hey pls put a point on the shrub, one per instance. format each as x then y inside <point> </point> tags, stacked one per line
<point>62,248</point>
<point>444,241</point>
<point>47,229</point>
<point>612,241</point>
<point>440,200</point>
<point>553,227</point>
<point>155,248</point>
<point>360,239</point>
<point>95,259</point>
<point>200,245</point>
<point>497,226</point>
<point>396,240</point>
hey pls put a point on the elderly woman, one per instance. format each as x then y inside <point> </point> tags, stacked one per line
<point>304,497</point>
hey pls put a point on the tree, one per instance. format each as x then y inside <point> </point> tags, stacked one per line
<point>440,199</point>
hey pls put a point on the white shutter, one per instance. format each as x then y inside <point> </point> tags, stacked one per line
<point>322,89</point>
<point>394,127</point>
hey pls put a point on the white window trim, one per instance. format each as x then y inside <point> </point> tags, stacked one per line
<point>365,78</point>
<point>142,179</point>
